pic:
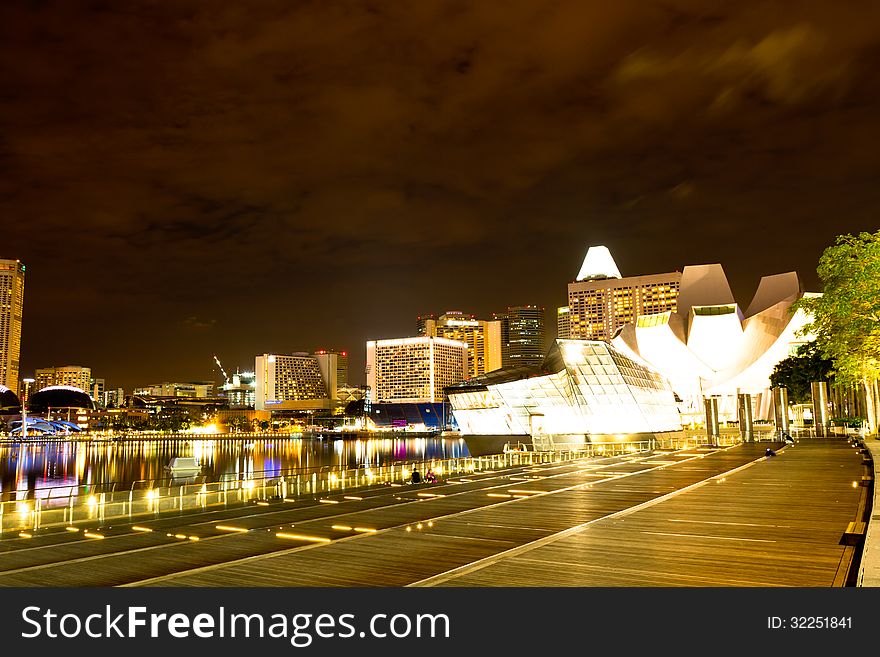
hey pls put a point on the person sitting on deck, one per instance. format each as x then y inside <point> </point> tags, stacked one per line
<point>416,477</point>
<point>430,477</point>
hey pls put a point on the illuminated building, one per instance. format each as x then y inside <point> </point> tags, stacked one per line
<point>709,348</point>
<point>75,376</point>
<point>11,303</point>
<point>522,335</point>
<point>341,364</point>
<point>347,394</point>
<point>9,401</point>
<point>600,300</point>
<point>585,390</point>
<point>62,403</point>
<point>483,337</point>
<point>296,382</point>
<point>422,322</point>
<point>193,389</point>
<point>113,398</point>
<point>414,369</point>
<point>97,388</point>
<point>241,392</point>
<point>400,416</point>
<point>563,323</point>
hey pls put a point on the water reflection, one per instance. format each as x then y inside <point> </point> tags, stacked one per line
<point>65,465</point>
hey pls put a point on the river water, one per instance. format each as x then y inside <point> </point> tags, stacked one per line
<point>37,465</point>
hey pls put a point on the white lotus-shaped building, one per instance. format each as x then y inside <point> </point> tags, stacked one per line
<point>709,347</point>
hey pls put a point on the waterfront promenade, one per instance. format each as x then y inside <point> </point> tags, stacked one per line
<point>694,517</point>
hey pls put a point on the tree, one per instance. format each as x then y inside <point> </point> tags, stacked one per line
<point>846,317</point>
<point>798,371</point>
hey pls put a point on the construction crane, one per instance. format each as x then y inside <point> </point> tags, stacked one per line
<point>222,371</point>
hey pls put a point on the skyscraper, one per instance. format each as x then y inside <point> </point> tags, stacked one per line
<point>11,302</point>
<point>414,369</point>
<point>341,364</point>
<point>68,375</point>
<point>563,323</point>
<point>600,300</point>
<point>522,335</point>
<point>297,381</point>
<point>483,337</point>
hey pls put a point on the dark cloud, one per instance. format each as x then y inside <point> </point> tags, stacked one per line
<point>317,173</point>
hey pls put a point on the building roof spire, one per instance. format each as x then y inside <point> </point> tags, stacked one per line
<point>598,264</point>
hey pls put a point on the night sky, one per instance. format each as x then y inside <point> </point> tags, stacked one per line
<point>184,178</point>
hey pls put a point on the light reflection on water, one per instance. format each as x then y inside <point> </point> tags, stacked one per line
<point>34,465</point>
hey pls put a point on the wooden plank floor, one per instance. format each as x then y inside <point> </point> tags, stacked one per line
<point>623,520</point>
<point>777,523</point>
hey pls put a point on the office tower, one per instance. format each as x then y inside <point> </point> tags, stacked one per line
<point>425,324</point>
<point>74,376</point>
<point>97,390</point>
<point>600,300</point>
<point>522,335</point>
<point>295,381</point>
<point>328,364</point>
<point>341,364</point>
<point>113,398</point>
<point>11,302</point>
<point>483,337</point>
<point>414,369</point>
<point>563,323</point>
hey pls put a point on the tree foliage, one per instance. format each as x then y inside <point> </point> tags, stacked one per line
<point>798,371</point>
<point>846,318</point>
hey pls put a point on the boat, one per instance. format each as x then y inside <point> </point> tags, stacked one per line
<point>184,465</point>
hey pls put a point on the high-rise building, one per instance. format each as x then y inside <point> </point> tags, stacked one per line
<point>75,376</point>
<point>600,300</point>
<point>97,390</point>
<point>11,303</point>
<point>483,337</point>
<point>563,323</point>
<point>414,369</point>
<point>297,381</point>
<point>341,364</point>
<point>113,398</point>
<point>522,335</point>
<point>422,323</point>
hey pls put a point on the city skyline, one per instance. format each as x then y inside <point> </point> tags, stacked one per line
<point>182,181</point>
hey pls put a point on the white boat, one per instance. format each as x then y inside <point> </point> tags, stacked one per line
<point>184,465</point>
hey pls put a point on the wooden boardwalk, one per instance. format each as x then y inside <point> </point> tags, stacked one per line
<point>693,518</point>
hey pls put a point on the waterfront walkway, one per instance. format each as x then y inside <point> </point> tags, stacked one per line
<point>698,517</point>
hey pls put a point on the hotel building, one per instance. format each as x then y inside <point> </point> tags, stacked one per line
<point>11,302</point>
<point>298,382</point>
<point>74,376</point>
<point>600,300</point>
<point>414,369</point>
<point>483,337</point>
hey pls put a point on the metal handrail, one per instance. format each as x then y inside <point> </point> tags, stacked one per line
<point>37,512</point>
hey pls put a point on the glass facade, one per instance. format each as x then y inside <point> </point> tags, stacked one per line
<point>587,387</point>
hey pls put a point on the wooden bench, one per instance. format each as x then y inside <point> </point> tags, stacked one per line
<point>854,534</point>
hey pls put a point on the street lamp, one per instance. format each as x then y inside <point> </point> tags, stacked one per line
<point>27,385</point>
